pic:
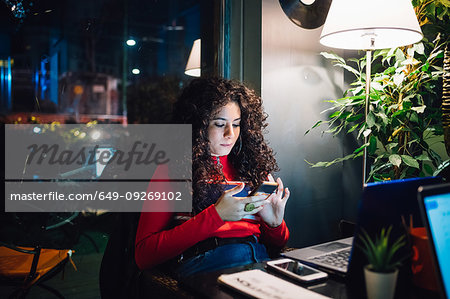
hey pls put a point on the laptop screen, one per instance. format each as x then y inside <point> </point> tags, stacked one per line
<point>437,208</point>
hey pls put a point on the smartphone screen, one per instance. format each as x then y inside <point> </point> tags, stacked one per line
<point>296,268</point>
<point>232,184</point>
<point>265,187</point>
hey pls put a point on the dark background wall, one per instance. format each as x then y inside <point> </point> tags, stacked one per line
<point>296,82</point>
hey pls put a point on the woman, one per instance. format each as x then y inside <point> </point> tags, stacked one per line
<point>228,145</point>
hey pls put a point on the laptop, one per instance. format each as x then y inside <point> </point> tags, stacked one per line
<point>331,256</point>
<point>381,204</point>
<point>434,204</point>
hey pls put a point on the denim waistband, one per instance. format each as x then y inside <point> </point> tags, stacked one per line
<point>212,243</point>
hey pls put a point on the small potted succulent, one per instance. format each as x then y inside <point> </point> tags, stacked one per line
<point>382,271</point>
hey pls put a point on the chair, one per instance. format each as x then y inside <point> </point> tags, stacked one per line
<point>25,267</point>
<point>119,275</point>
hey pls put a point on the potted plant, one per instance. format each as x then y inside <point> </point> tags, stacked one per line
<point>381,272</point>
<point>403,124</point>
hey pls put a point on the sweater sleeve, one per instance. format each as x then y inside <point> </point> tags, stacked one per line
<point>276,236</point>
<point>155,245</point>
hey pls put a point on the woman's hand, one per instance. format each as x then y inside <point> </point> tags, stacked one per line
<point>231,208</point>
<point>273,211</point>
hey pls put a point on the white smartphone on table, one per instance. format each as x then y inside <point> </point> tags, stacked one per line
<point>297,270</point>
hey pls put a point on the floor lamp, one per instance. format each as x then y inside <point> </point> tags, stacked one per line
<point>369,25</point>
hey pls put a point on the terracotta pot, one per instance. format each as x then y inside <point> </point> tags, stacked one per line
<point>380,285</point>
<point>422,263</point>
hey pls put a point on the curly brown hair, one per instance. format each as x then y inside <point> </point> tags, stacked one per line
<point>251,156</point>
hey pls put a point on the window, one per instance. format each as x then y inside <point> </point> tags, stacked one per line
<point>72,58</point>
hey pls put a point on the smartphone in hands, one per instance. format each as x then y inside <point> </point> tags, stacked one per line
<point>264,187</point>
<point>232,184</point>
<point>297,270</point>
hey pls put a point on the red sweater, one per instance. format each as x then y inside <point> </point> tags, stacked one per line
<point>155,243</point>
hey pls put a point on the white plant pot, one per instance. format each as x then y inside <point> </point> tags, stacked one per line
<point>380,285</point>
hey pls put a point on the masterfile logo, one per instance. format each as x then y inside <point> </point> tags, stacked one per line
<point>75,167</point>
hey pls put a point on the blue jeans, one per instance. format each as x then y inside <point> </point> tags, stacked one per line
<point>226,256</point>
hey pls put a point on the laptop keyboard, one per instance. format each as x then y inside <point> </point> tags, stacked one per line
<point>337,259</point>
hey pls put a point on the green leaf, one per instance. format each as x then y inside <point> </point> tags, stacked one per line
<point>410,51</point>
<point>378,53</point>
<point>372,145</point>
<point>352,118</point>
<point>398,79</point>
<point>420,109</point>
<point>318,164</point>
<point>395,160</point>
<point>355,60</point>
<point>315,125</point>
<point>370,119</point>
<point>419,48</point>
<point>409,97</point>
<point>398,113</point>
<point>367,132</point>
<point>358,89</point>
<point>361,131</point>
<point>414,117</point>
<point>434,156</point>
<point>425,67</point>
<point>391,145</point>
<point>434,55</point>
<point>345,114</point>
<point>359,149</point>
<point>383,117</point>
<point>332,56</point>
<point>389,70</point>
<point>349,68</point>
<point>335,161</point>
<point>410,161</point>
<point>380,254</point>
<point>407,104</point>
<point>360,154</point>
<point>423,157</point>
<point>399,56</point>
<point>353,128</point>
<point>332,130</point>
<point>335,114</point>
<point>376,86</point>
<point>441,167</point>
<point>410,62</point>
<point>427,168</point>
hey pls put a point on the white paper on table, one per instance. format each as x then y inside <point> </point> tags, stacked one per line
<point>260,284</point>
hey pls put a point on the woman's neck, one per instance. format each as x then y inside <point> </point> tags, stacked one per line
<point>227,169</point>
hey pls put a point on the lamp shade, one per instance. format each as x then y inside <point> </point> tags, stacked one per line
<point>370,24</point>
<point>193,64</point>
